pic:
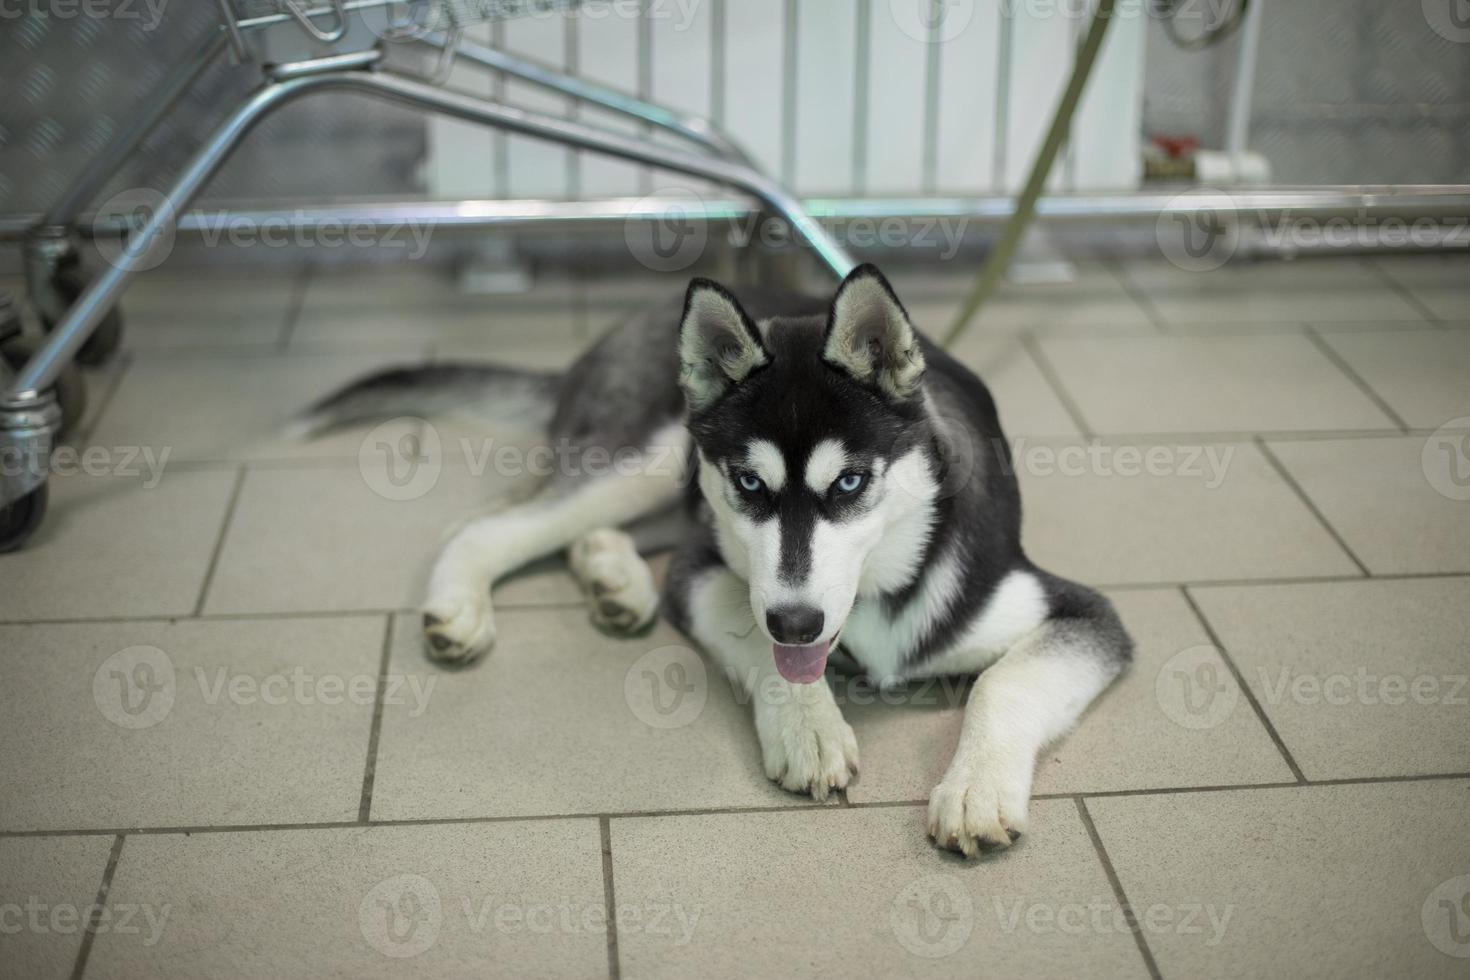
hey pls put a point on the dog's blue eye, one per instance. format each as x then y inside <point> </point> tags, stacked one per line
<point>749,483</point>
<point>850,482</point>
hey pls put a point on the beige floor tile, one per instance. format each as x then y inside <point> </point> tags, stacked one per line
<point>1359,678</point>
<point>560,718</point>
<point>208,407</point>
<point>470,901</point>
<point>491,326</point>
<point>210,722</point>
<point>1141,734</point>
<point>1028,405</point>
<point>1399,503</point>
<point>47,887</point>
<point>425,288</point>
<point>1228,383</point>
<point>1270,292</point>
<point>211,309</point>
<point>1330,881</point>
<point>1213,512</point>
<point>342,538</point>
<point>120,545</point>
<point>1440,282</point>
<point>755,889</point>
<point>1096,302</point>
<point>548,352</point>
<point>1423,375</point>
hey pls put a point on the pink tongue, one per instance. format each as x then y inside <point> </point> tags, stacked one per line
<point>801,664</point>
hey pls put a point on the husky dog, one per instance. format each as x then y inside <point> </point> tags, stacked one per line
<point>848,484</point>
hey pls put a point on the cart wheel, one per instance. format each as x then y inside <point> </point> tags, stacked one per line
<point>70,282</point>
<point>71,387</point>
<point>21,517</point>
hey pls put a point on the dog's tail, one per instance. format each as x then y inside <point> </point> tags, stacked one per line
<point>489,392</point>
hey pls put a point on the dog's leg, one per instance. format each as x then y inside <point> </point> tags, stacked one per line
<point>458,622</point>
<point>1033,695</point>
<point>806,745</point>
<point>616,580</point>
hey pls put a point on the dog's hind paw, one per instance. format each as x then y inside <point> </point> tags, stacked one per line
<point>808,748</point>
<point>458,630</point>
<point>970,816</point>
<point>618,582</point>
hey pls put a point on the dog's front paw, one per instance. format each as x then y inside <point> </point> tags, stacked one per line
<point>983,813</point>
<point>808,748</point>
<point>458,629</point>
<point>618,582</point>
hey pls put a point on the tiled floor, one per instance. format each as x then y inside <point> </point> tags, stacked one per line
<point>218,725</point>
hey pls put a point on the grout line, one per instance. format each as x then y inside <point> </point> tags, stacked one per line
<point>1342,365</point>
<point>1138,294</point>
<point>1244,687</point>
<point>609,899</point>
<point>219,544</point>
<point>295,307</point>
<point>713,811</point>
<point>1052,378</point>
<point>1118,892</point>
<point>1296,487</point>
<point>89,933</point>
<point>370,770</point>
<point>1406,294</point>
<point>123,363</point>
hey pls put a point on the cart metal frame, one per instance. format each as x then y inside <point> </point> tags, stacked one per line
<point>337,61</point>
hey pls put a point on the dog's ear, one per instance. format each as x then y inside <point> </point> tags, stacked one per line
<point>869,336</point>
<point>719,346</point>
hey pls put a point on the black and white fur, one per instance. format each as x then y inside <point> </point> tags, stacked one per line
<point>851,483</point>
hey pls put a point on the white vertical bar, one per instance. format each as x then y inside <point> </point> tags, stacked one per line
<point>537,168</point>
<point>608,55</point>
<point>461,155</point>
<point>755,34</point>
<point>968,77</point>
<point>1107,132</point>
<point>895,151</point>
<point>1041,60</point>
<point>679,76</point>
<point>825,67</point>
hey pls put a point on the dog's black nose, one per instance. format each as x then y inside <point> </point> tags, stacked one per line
<point>794,624</point>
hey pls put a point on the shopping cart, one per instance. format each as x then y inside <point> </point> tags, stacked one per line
<point>303,47</point>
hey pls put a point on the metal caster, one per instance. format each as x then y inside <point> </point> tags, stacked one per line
<point>20,518</point>
<point>70,388</point>
<point>56,278</point>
